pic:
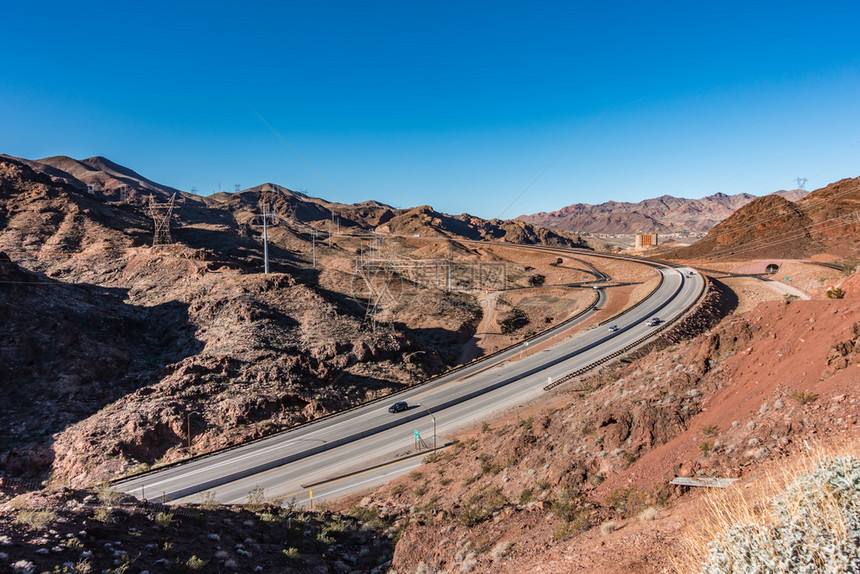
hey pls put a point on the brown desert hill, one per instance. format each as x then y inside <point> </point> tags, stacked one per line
<point>424,221</point>
<point>260,352</point>
<point>106,177</point>
<point>252,353</point>
<point>825,221</point>
<point>665,214</point>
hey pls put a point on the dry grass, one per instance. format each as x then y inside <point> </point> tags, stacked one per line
<point>752,507</point>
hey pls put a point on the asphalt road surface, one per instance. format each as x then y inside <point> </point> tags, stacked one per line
<point>368,445</point>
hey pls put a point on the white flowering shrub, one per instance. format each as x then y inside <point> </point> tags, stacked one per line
<point>813,528</point>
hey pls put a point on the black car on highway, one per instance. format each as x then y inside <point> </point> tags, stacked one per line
<point>398,406</point>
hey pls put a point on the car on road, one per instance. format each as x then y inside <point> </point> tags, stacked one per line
<point>653,321</point>
<point>398,406</point>
<point>613,328</point>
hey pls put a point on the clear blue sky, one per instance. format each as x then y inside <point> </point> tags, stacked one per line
<point>491,108</point>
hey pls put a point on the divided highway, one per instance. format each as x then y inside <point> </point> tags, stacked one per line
<point>368,445</point>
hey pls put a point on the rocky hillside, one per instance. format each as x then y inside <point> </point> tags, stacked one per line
<point>581,483</point>
<point>665,214</point>
<point>108,343</point>
<point>825,221</point>
<point>103,177</point>
<point>84,531</point>
<point>425,222</point>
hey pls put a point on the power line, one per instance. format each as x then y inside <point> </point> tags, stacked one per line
<point>807,202</point>
<point>552,163</point>
<point>786,237</point>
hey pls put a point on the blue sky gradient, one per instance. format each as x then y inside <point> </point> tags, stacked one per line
<point>491,108</point>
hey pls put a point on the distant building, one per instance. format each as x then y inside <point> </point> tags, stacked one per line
<point>646,240</point>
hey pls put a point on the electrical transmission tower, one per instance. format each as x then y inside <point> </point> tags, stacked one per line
<point>801,182</point>
<point>161,215</point>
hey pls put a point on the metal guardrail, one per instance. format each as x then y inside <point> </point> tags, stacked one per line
<point>630,346</point>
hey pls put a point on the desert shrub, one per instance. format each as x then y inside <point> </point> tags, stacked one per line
<point>107,495</point>
<point>488,466</point>
<point>835,293</point>
<point>480,506</point>
<point>164,518</point>
<point>256,499</point>
<point>813,526</point>
<point>208,501</point>
<point>804,397</point>
<point>527,495</point>
<point>609,527</point>
<point>566,505</point>
<point>513,320</point>
<point>710,430</point>
<point>648,514</point>
<point>195,563</point>
<point>292,556</point>
<point>706,447</point>
<point>627,501</point>
<point>537,280</point>
<point>37,519</point>
<point>103,514</point>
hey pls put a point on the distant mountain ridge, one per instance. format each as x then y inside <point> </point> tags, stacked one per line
<point>106,178</point>
<point>826,220</point>
<point>664,214</point>
<point>116,183</point>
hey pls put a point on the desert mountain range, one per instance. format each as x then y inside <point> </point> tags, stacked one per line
<point>664,214</point>
<point>115,356</point>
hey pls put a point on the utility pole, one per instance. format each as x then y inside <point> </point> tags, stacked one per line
<point>314,243</point>
<point>264,213</point>
<point>434,426</point>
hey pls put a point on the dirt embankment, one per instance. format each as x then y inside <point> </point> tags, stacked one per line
<point>584,487</point>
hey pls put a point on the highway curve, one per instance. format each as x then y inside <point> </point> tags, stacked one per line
<point>368,445</point>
